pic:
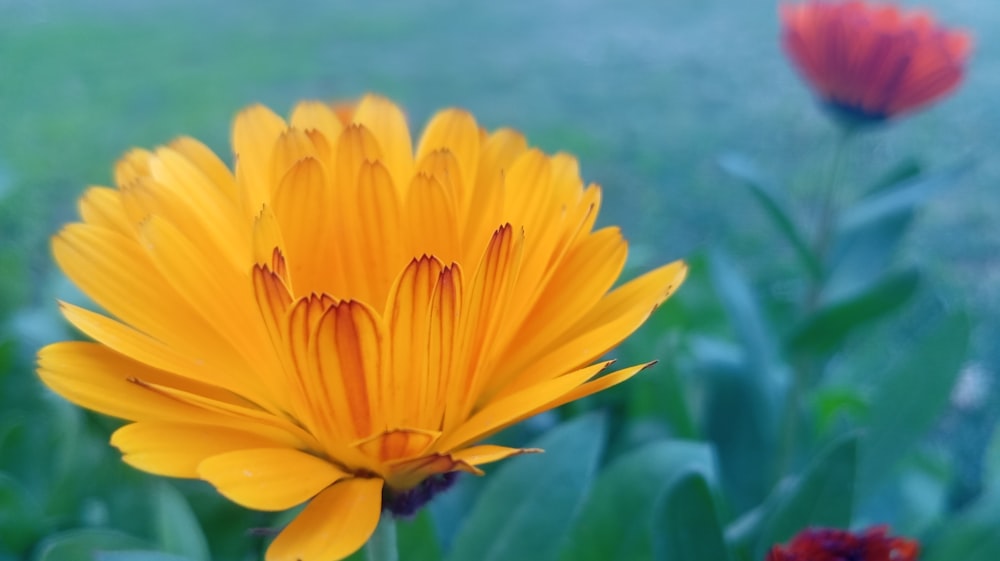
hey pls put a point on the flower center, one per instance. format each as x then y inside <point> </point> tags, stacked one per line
<point>407,503</point>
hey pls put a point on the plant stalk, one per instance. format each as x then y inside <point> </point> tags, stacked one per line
<point>382,545</point>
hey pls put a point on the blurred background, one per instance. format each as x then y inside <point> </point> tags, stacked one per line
<point>647,94</point>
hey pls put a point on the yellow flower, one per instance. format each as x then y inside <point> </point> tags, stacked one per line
<point>341,318</point>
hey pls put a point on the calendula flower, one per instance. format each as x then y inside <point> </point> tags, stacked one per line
<point>826,544</point>
<point>341,319</point>
<point>869,62</point>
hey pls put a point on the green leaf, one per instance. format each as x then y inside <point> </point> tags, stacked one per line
<point>827,329</point>
<point>616,521</point>
<point>744,313</point>
<point>687,523</point>
<point>418,539</point>
<point>910,399</point>
<point>530,503</point>
<point>898,175</point>
<point>20,518</point>
<point>902,197</point>
<point>869,233</point>
<point>741,418</point>
<point>970,536</point>
<point>177,528</point>
<point>84,544</point>
<point>822,497</point>
<point>831,405</point>
<point>744,169</point>
<point>139,556</point>
<point>660,394</point>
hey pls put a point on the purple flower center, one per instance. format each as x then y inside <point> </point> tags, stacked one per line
<point>407,503</point>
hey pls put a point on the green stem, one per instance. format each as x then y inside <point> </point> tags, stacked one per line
<point>382,545</point>
<point>828,216</point>
<point>804,368</point>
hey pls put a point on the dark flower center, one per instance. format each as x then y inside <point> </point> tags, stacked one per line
<point>407,503</point>
<point>852,116</point>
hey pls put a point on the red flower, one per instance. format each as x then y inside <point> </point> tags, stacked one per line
<point>870,62</point>
<point>827,544</point>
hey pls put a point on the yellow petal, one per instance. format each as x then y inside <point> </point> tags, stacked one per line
<point>387,123</point>
<point>355,146</point>
<point>348,349</point>
<point>95,377</point>
<point>399,444</point>
<point>209,164</point>
<point>489,453</point>
<point>222,295</point>
<point>204,209</point>
<point>268,243</point>
<point>431,220</point>
<point>292,146</point>
<point>443,347</point>
<point>482,318</point>
<point>529,198</point>
<point>483,206</point>
<point>310,116</point>
<point>102,206</point>
<point>504,412</point>
<point>407,474</point>
<point>592,267</point>
<point>404,386</point>
<point>381,246</point>
<point>133,165</point>
<point>456,131</point>
<point>545,396</point>
<point>268,478</point>
<point>302,204</point>
<point>500,150</point>
<point>635,299</point>
<point>442,165</point>
<point>255,132</point>
<point>613,319</point>
<point>94,258</point>
<point>333,525</point>
<point>176,449</point>
<point>206,374</point>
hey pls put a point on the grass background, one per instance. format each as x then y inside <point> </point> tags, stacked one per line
<point>646,93</point>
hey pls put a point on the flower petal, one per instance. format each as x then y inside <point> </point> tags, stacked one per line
<point>317,117</point>
<point>481,319</point>
<point>176,449</point>
<point>333,525</point>
<point>407,373</point>
<point>255,131</point>
<point>117,274</point>
<point>95,377</point>
<point>102,206</point>
<point>269,478</point>
<point>608,323</point>
<point>489,453</point>
<point>388,123</point>
<point>454,130</point>
<point>209,164</point>
<point>503,412</point>
<point>222,295</point>
<point>219,379</point>
<point>301,204</point>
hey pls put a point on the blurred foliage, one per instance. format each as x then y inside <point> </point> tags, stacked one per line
<point>807,372</point>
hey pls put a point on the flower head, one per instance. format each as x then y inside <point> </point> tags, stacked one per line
<point>869,62</point>
<point>341,318</point>
<point>826,544</point>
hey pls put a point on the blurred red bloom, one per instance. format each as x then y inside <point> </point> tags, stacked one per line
<point>827,544</point>
<point>869,62</point>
